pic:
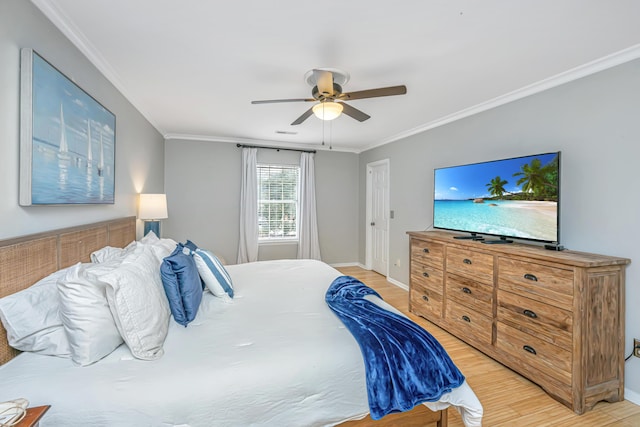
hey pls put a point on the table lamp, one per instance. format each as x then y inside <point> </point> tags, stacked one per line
<point>152,208</point>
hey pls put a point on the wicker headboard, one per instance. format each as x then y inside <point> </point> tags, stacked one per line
<point>25,260</point>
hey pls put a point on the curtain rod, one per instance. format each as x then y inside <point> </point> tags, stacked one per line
<point>274,148</point>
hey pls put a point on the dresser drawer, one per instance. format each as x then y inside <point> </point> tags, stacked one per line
<point>425,302</point>
<point>472,325</point>
<point>471,264</point>
<point>547,322</point>
<point>427,276</point>
<point>471,293</point>
<point>551,285</point>
<point>427,252</point>
<point>529,351</point>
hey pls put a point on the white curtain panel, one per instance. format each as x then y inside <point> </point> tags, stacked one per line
<point>248,245</point>
<point>308,242</point>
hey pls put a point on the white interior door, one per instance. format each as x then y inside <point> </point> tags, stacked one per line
<point>378,216</point>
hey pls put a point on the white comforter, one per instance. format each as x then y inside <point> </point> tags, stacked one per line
<point>276,356</point>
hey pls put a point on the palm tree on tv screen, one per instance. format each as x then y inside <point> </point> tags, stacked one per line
<point>537,180</point>
<point>496,186</point>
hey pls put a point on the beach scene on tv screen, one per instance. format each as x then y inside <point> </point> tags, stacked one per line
<point>513,197</point>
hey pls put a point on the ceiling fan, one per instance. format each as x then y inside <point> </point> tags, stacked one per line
<point>327,92</point>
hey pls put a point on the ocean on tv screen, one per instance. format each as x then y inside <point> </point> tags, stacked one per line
<point>524,219</point>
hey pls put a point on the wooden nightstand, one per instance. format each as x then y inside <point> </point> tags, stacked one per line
<point>33,416</point>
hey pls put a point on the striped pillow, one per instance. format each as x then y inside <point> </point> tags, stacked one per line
<point>213,274</point>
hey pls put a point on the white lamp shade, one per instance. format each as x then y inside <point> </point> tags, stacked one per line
<point>152,206</point>
<point>327,110</point>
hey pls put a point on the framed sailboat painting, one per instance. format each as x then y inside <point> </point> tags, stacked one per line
<point>67,139</point>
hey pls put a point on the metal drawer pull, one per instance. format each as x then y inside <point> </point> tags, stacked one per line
<point>425,274</point>
<point>466,261</point>
<point>466,319</point>
<point>530,314</point>
<point>529,349</point>
<point>425,250</point>
<point>424,297</point>
<point>530,277</point>
<point>466,290</point>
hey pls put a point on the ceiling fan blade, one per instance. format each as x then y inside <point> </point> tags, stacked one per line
<point>273,101</point>
<point>354,112</point>
<point>303,117</point>
<point>324,81</point>
<point>374,93</point>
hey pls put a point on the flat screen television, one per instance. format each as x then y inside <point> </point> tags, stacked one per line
<point>508,198</point>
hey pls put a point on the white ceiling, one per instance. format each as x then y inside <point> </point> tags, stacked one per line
<point>192,67</point>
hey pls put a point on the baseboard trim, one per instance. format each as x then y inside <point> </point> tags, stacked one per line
<point>347,264</point>
<point>632,396</point>
<point>397,283</point>
<point>362,266</point>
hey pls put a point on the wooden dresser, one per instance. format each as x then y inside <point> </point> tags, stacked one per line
<point>556,318</point>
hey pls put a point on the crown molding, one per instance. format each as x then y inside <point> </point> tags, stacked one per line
<point>601,64</point>
<point>249,141</point>
<point>82,43</point>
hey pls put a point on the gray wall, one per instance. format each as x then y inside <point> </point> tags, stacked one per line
<point>594,121</point>
<point>202,182</point>
<point>139,147</point>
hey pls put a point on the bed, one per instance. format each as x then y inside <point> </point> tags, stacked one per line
<point>275,355</point>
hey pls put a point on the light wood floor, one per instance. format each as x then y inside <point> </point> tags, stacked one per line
<point>507,398</point>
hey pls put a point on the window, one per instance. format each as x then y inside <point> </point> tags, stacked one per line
<point>278,202</point>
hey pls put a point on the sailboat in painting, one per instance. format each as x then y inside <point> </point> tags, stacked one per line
<point>63,149</point>
<point>89,150</point>
<point>101,162</point>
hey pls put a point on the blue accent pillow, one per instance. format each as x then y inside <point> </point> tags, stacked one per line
<point>182,284</point>
<point>190,245</point>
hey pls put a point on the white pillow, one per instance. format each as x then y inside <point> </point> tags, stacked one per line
<point>106,254</point>
<point>32,320</point>
<point>213,273</point>
<point>138,303</point>
<point>84,309</point>
<point>150,238</point>
<point>109,253</point>
<point>162,248</point>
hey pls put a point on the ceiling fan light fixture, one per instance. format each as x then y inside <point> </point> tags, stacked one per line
<point>327,110</point>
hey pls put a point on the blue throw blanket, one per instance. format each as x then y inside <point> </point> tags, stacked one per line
<point>404,364</point>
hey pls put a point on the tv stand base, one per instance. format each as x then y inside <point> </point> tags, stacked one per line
<point>498,241</point>
<point>473,236</point>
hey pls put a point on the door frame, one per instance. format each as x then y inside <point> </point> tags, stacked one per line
<point>369,212</point>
